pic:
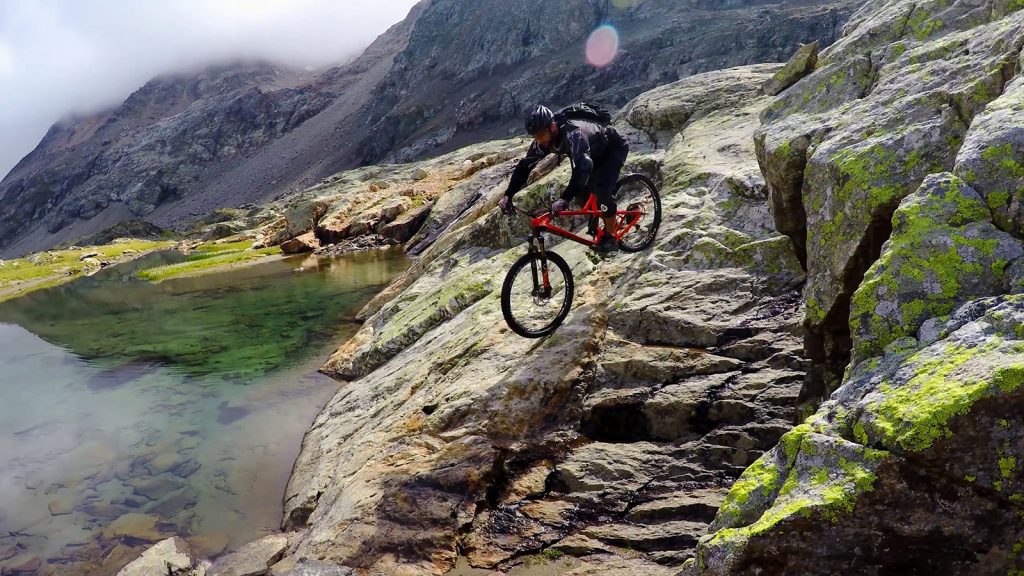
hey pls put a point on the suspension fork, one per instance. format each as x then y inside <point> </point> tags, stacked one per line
<point>541,284</point>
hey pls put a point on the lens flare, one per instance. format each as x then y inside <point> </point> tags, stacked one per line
<point>602,46</point>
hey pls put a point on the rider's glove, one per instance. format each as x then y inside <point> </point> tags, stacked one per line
<point>559,205</point>
<point>504,203</point>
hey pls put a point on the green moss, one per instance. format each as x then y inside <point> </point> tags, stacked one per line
<point>859,433</point>
<point>829,497</point>
<point>998,199</point>
<point>552,555</point>
<point>1007,465</point>
<point>760,477</point>
<point>792,440</point>
<point>1005,158</point>
<point>814,311</point>
<point>970,478</point>
<point>1009,378</point>
<point>911,260</point>
<point>915,415</point>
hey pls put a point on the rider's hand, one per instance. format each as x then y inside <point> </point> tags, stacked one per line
<point>503,204</point>
<point>559,205</point>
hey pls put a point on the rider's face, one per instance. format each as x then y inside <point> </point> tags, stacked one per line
<point>544,137</point>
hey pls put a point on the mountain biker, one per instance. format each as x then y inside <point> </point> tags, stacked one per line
<point>597,153</point>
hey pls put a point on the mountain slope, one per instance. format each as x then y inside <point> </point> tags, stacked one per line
<point>445,77</point>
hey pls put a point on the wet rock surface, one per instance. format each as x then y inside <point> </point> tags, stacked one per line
<point>253,559</point>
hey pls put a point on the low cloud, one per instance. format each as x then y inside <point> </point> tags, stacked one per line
<point>59,57</point>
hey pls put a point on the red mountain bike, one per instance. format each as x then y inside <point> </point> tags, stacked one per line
<point>535,297</point>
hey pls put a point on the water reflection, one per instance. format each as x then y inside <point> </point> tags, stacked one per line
<point>131,410</point>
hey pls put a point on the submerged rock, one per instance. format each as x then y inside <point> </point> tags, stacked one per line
<point>135,527</point>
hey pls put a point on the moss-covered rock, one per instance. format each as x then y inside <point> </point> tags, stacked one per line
<point>888,105</point>
<point>992,158</point>
<point>943,251</point>
<point>800,64</point>
<point>922,434</point>
<point>661,113</point>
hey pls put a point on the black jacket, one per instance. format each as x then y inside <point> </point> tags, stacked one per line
<point>584,142</point>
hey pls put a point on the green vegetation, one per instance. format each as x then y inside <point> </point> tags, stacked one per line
<point>230,325</point>
<point>208,258</point>
<point>56,267</point>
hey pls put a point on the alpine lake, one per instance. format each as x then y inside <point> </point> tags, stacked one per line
<point>131,411</point>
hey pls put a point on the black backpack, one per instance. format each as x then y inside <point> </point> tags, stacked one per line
<point>584,111</point>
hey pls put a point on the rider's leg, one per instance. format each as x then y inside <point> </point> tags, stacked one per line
<point>606,175</point>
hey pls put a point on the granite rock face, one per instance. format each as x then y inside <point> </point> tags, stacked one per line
<point>612,441</point>
<point>892,101</point>
<point>922,434</point>
<point>895,166</point>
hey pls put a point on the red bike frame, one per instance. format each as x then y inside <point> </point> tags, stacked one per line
<point>625,220</point>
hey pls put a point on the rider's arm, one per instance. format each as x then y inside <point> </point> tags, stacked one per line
<point>582,164</point>
<point>522,172</point>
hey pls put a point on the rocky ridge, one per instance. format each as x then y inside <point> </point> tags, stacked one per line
<point>446,77</point>
<point>454,438</point>
<point>892,168</point>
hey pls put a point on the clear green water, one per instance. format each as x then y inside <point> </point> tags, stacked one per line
<point>185,400</point>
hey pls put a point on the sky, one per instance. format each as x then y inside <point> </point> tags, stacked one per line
<point>59,57</point>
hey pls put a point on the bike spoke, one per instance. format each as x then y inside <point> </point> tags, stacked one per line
<point>536,311</point>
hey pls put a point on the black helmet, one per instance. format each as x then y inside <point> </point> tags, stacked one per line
<point>539,119</point>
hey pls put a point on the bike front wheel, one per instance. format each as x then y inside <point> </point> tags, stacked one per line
<point>537,294</point>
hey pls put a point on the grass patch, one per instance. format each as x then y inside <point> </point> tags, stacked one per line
<point>53,268</point>
<point>208,257</point>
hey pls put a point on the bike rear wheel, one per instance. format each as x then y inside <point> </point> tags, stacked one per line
<point>533,308</point>
<point>636,195</point>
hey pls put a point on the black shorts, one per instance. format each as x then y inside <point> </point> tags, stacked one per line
<point>606,174</point>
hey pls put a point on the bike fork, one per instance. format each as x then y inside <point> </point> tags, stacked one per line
<point>541,286</point>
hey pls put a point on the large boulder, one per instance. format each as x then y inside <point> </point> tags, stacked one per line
<point>912,466</point>
<point>801,64</point>
<point>944,251</point>
<point>307,242</point>
<point>402,228</point>
<point>253,559</point>
<point>992,157</point>
<point>662,112</point>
